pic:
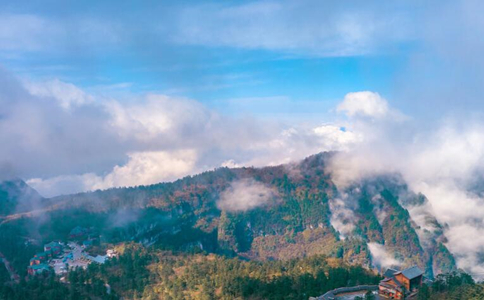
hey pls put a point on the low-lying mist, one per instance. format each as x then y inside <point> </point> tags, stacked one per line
<point>444,163</point>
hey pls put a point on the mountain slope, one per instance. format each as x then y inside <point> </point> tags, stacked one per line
<point>279,212</point>
<point>382,217</point>
<point>17,196</point>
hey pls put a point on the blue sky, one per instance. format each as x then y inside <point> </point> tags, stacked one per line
<point>99,94</point>
<point>182,48</point>
<point>251,75</point>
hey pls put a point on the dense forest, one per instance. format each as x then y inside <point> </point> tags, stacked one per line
<point>452,286</point>
<point>155,274</point>
<point>145,273</point>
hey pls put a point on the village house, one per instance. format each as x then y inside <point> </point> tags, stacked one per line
<point>111,253</point>
<point>78,232</point>
<point>54,247</point>
<point>400,284</point>
<point>35,261</point>
<point>38,269</point>
<point>43,256</point>
<point>87,243</point>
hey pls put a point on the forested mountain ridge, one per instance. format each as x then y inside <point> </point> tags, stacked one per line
<point>16,196</point>
<point>272,213</point>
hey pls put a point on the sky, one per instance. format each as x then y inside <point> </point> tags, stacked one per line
<point>120,93</point>
<point>102,94</point>
<point>212,52</point>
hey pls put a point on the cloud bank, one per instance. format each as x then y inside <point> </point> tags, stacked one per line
<point>63,139</point>
<point>246,194</point>
<point>342,216</point>
<point>381,258</point>
<point>444,162</point>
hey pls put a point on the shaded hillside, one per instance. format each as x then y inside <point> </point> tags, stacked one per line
<point>269,213</point>
<point>16,196</point>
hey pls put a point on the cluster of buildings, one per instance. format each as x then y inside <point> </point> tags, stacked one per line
<point>60,258</point>
<point>39,263</point>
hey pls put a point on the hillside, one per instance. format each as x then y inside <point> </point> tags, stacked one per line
<point>147,273</point>
<point>272,213</point>
<point>17,196</point>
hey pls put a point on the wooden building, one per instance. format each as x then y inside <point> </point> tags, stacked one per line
<point>35,261</point>
<point>400,284</point>
<point>38,269</point>
<point>78,232</point>
<point>54,247</point>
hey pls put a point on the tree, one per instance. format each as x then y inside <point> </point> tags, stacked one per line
<point>369,296</point>
<point>423,293</point>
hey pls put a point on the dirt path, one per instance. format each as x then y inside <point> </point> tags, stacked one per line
<point>13,275</point>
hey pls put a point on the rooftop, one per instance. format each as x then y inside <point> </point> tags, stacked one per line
<point>45,253</point>
<point>78,230</point>
<point>389,273</point>
<point>409,273</point>
<point>52,244</point>
<point>412,272</point>
<point>39,267</point>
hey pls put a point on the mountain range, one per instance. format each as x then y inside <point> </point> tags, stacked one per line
<point>271,213</point>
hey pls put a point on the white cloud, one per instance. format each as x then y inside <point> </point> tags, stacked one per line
<point>350,167</point>
<point>378,209</point>
<point>100,142</point>
<point>157,115</point>
<point>445,164</point>
<point>336,138</point>
<point>382,132</point>
<point>381,258</point>
<point>144,168</point>
<point>246,194</point>
<point>467,243</point>
<point>296,143</point>
<point>230,164</point>
<point>67,94</point>
<point>144,133</point>
<point>66,184</point>
<point>364,104</point>
<point>342,217</point>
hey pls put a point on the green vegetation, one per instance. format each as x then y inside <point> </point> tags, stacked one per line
<point>452,286</point>
<point>4,276</point>
<point>153,274</point>
<point>216,277</point>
